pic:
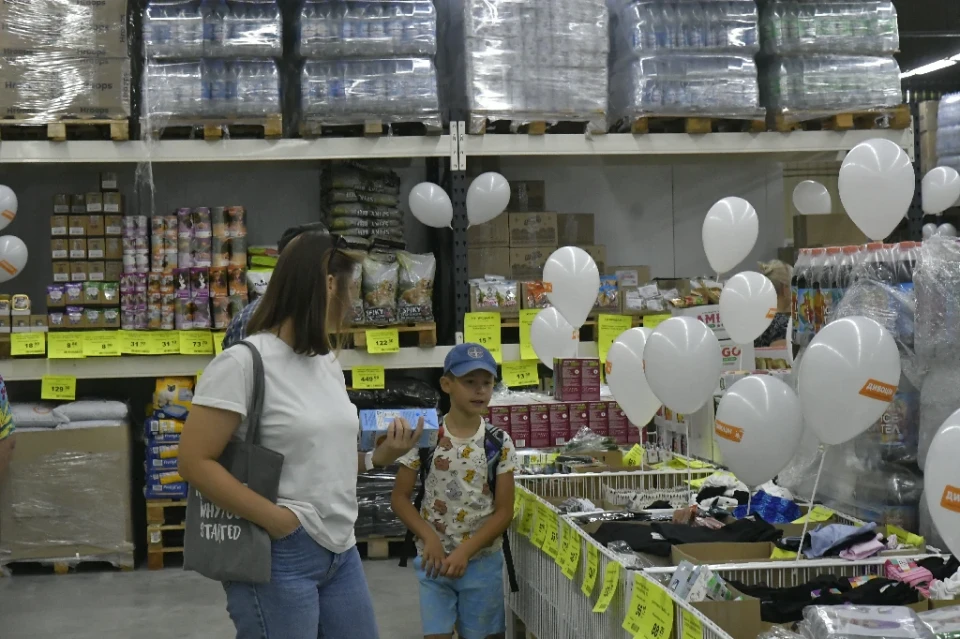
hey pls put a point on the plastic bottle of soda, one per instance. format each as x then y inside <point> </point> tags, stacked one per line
<point>831,282</point>
<point>819,279</point>
<point>798,285</point>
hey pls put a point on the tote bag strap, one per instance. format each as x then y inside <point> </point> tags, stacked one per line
<point>255,411</point>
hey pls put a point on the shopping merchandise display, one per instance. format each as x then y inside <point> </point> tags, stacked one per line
<point>948,131</point>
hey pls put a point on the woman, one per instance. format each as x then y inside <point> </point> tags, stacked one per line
<point>317,587</point>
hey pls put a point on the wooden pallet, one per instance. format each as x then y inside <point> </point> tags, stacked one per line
<point>536,127</point>
<point>166,512</point>
<point>691,125</point>
<point>61,130</point>
<point>164,543</point>
<point>62,567</point>
<point>380,547</point>
<point>267,127</point>
<point>368,128</point>
<point>897,118</point>
<point>422,335</point>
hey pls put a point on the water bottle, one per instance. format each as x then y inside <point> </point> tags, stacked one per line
<point>213,28</point>
<point>666,28</point>
<point>376,31</point>
<point>807,24</point>
<point>336,87</point>
<point>791,25</point>
<point>352,28</point>
<point>235,29</point>
<point>717,20</point>
<point>411,30</point>
<point>693,20</point>
<point>393,28</point>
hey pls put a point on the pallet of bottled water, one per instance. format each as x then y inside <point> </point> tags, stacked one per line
<point>948,129</point>
<point>648,27</point>
<point>389,91</point>
<point>365,29</point>
<point>866,27</point>
<point>213,92</point>
<point>177,29</point>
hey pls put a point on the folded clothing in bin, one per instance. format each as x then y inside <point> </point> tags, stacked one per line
<point>657,538</point>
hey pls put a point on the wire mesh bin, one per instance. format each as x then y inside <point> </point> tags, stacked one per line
<point>612,486</point>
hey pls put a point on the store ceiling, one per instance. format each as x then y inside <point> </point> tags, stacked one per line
<point>929,31</point>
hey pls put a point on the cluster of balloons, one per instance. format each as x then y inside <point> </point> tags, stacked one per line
<point>487,198</point>
<point>13,252</point>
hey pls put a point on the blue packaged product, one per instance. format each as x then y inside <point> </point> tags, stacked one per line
<point>162,457</point>
<point>153,427</point>
<point>166,484</point>
<point>374,424</point>
<point>163,438</point>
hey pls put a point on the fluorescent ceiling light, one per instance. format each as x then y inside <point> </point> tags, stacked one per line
<point>956,58</point>
<point>930,68</point>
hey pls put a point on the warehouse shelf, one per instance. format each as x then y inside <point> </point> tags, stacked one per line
<point>795,146</point>
<point>511,352</point>
<point>189,365</point>
<point>226,150</point>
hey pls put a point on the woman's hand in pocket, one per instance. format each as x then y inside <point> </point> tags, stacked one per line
<point>283,522</point>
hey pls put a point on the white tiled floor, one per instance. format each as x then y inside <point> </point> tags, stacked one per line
<point>167,604</point>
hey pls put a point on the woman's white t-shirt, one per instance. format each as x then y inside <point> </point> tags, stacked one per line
<point>308,418</point>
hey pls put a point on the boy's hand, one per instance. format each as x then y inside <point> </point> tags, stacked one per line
<point>433,556</point>
<point>455,565</point>
<point>399,440</point>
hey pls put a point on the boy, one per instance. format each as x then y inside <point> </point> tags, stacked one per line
<point>462,518</point>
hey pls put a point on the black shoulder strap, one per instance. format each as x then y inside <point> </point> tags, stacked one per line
<point>493,445</point>
<point>409,543</point>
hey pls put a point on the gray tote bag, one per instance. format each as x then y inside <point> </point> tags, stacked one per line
<point>218,544</point>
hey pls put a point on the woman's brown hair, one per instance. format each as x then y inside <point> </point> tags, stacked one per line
<point>298,292</point>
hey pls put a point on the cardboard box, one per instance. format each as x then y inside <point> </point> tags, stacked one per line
<point>929,112</point>
<point>532,229</point>
<point>530,195</point>
<point>579,417</point>
<point>61,271</point>
<point>94,202</point>
<point>38,323</point>
<point>78,204</point>
<point>574,229</point>
<point>59,225</point>
<point>527,263</point>
<point>52,87</point>
<point>109,181</point>
<point>618,423</point>
<point>112,248</point>
<point>59,248</point>
<point>520,425</point>
<point>96,248</point>
<point>559,424</point>
<point>567,385</point>
<point>78,248</point>
<point>488,261</point>
<point>495,233</point>
<point>78,271</point>
<point>112,271</point>
<point>540,426</point>
<point>630,275</point>
<point>590,380</point>
<point>113,225</point>
<point>718,553</point>
<point>68,494</point>
<point>77,226</point>
<point>113,203</point>
<point>499,416</point>
<point>597,418</point>
<point>374,424</point>
<point>78,26</point>
<point>599,254</point>
<point>95,225</point>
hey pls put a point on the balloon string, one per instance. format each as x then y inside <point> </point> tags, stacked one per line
<point>689,472</point>
<point>810,507</point>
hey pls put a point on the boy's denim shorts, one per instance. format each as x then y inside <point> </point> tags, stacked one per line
<point>473,603</point>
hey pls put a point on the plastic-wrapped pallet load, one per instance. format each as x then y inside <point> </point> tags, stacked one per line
<point>523,61</point>
<point>368,62</point>
<point>64,59</point>
<point>676,58</point>
<point>948,131</point>
<point>828,57</point>
<point>211,60</point>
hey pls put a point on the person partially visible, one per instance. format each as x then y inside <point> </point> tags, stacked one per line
<point>237,330</point>
<point>467,505</point>
<point>6,433</point>
<point>780,274</point>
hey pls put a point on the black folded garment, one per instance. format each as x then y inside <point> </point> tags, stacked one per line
<point>657,538</point>
<point>939,568</point>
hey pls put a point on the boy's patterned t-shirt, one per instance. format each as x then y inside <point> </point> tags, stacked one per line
<point>457,499</point>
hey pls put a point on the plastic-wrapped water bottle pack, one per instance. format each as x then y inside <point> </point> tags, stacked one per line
<point>174,29</point>
<point>354,29</point>
<point>790,27</point>
<point>948,130</point>
<point>830,83</point>
<point>211,89</point>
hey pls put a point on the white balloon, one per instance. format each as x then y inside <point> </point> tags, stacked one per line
<point>682,359</point>
<point>877,184</point>
<point>848,377</point>
<point>748,304</point>
<point>758,428</point>
<point>812,198</point>
<point>572,281</point>
<point>13,257</point>
<point>552,336</point>
<point>487,197</point>
<point>626,377</point>
<point>431,205</point>
<point>941,482</point>
<point>929,230</point>
<point>946,230</point>
<point>940,189</point>
<point>729,233</point>
<point>8,206</point>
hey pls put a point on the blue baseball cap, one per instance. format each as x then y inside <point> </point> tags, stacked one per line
<point>466,358</point>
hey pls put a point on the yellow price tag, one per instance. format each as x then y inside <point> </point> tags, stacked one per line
<point>541,530</point>
<point>634,456</point>
<point>28,344</point>
<point>526,519</point>
<point>61,388</point>
<point>65,346</point>
<point>526,321</point>
<point>517,503</point>
<point>572,556</point>
<point>593,567</point>
<point>484,329</point>
<point>523,373</point>
<point>381,341</point>
<point>101,344</point>
<point>611,579</point>
<point>551,545</point>
<point>609,328</point>
<point>135,342</point>
<point>369,377</point>
<point>692,628</point>
<point>653,321</point>
<point>564,545</point>
<point>164,343</point>
<point>196,343</point>
<point>218,342</point>
<point>656,622</point>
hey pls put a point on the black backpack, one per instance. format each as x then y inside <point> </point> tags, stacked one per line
<point>493,446</point>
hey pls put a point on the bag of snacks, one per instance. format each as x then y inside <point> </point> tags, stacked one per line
<point>415,301</point>
<point>380,277</point>
<point>608,298</point>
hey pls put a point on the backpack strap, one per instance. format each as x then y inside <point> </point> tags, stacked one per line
<point>426,460</point>
<point>493,443</point>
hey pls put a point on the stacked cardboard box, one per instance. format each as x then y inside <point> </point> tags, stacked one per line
<point>546,422</point>
<point>64,59</point>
